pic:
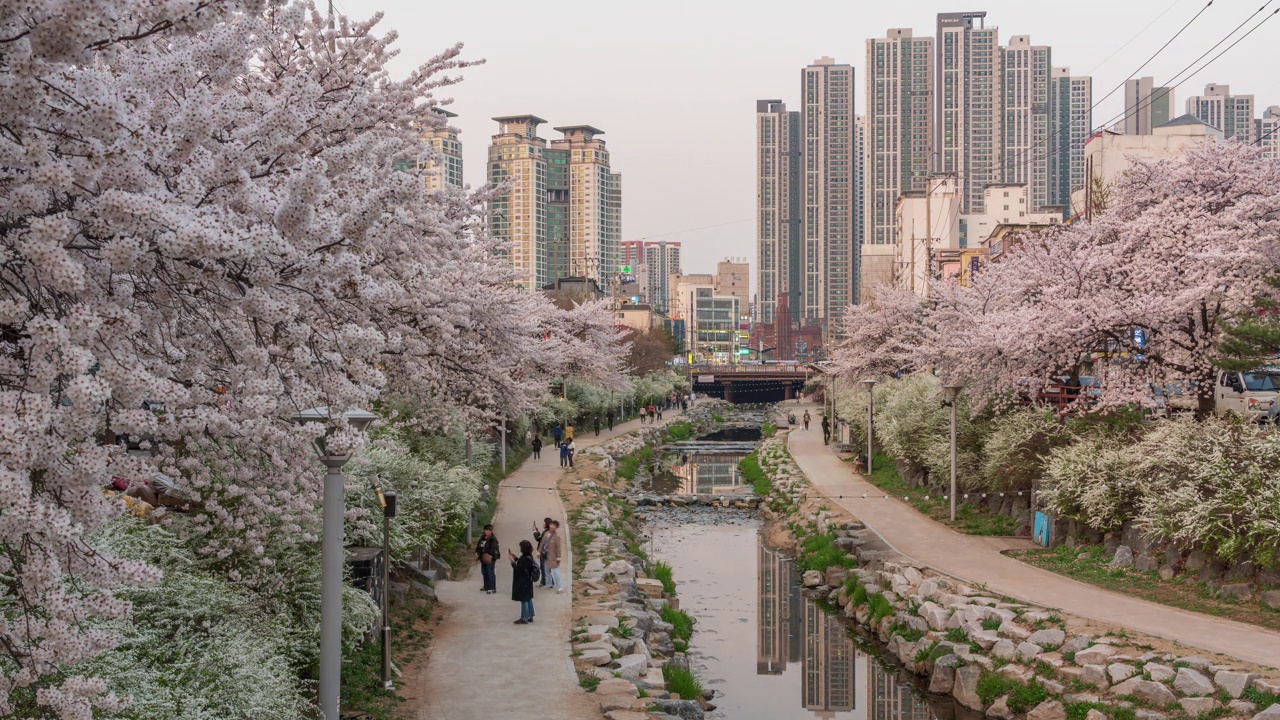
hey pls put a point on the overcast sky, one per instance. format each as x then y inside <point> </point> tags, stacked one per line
<point>673,83</point>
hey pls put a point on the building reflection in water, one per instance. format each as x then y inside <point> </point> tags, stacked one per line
<point>837,679</point>
<point>709,474</point>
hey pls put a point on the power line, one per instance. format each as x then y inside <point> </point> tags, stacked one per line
<point>1135,37</point>
<point>694,229</point>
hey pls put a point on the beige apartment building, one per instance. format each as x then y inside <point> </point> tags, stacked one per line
<point>1146,106</point>
<point>899,117</point>
<point>733,279</point>
<point>969,121</point>
<point>778,212</point>
<point>1268,132</point>
<point>1232,114</point>
<point>1026,123</point>
<point>595,205</point>
<point>518,214</point>
<point>443,139</point>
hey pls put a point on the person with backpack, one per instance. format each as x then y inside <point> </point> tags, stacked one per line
<point>537,447</point>
<point>487,555</point>
<point>597,426</point>
<point>564,453</point>
<point>542,537</point>
<point>524,573</point>
<point>570,449</point>
<point>556,432</point>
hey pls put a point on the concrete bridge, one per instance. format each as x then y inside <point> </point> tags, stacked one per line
<point>752,383</point>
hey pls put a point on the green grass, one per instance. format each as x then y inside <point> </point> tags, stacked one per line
<point>907,632</point>
<point>751,471</point>
<point>680,621</point>
<point>661,572</point>
<point>680,431</point>
<point>1261,699</point>
<point>819,552</point>
<point>588,682</point>
<point>859,596</point>
<point>992,623</point>
<point>970,519</point>
<point>768,430</point>
<point>628,465</point>
<point>681,681</point>
<point>624,630</point>
<point>880,607</point>
<point>362,670</point>
<point>1182,592</point>
<point>1077,711</point>
<point>958,636</point>
<point>718,418</point>
<point>1022,696</point>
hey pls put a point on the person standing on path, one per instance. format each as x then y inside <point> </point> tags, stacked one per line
<point>564,453</point>
<point>806,419</point>
<point>487,555</point>
<point>553,556</point>
<point>541,537</point>
<point>610,418</point>
<point>537,447</point>
<point>597,426</point>
<point>524,572</point>
<point>570,449</point>
<point>659,409</point>
<point>556,434</point>
<point>568,432</point>
<point>826,430</point>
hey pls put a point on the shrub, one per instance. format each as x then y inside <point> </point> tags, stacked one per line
<point>751,471</point>
<point>681,623</point>
<point>680,431</point>
<point>662,573</point>
<point>768,429</point>
<point>819,552</point>
<point>859,596</point>
<point>1017,448</point>
<point>992,686</point>
<point>880,607</point>
<point>1022,696</point>
<point>681,681</point>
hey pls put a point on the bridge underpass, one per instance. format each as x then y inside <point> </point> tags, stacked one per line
<point>750,383</point>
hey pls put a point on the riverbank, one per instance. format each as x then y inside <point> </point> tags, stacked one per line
<point>993,653</point>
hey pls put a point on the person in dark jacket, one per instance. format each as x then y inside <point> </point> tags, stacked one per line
<point>826,430</point>
<point>537,447</point>
<point>542,537</point>
<point>487,556</point>
<point>556,433</point>
<point>524,571</point>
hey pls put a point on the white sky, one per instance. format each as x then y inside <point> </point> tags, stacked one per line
<point>673,83</point>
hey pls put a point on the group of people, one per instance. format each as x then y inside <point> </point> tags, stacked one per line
<point>526,572</point>
<point>564,442</point>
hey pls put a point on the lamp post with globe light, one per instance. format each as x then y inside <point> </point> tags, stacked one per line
<point>871,420</point>
<point>332,556</point>
<point>952,392</point>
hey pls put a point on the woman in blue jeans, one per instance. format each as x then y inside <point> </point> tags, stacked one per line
<point>524,573</point>
<point>487,555</point>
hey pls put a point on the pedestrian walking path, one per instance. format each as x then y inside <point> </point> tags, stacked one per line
<point>978,560</point>
<point>482,665</point>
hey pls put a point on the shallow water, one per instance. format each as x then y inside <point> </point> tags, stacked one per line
<point>767,651</point>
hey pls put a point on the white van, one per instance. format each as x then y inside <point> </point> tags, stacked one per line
<point>1247,393</point>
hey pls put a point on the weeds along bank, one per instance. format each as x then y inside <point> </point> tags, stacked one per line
<point>994,654</point>
<point>1184,498</point>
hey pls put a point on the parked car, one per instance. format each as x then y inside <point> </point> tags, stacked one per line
<point>1251,394</point>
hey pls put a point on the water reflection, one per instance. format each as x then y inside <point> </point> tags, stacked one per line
<point>708,473</point>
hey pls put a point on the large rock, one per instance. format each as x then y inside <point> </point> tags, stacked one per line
<point>1234,682</point>
<point>1192,683</point>
<point>616,686</point>
<point>685,709</point>
<point>1076,644</point>
<point>1048,639</point>
<point>1095,675</point>
<point>1000,709</point>
<point>631,666</point>
<point>935,615</point>
<point>594,657</point>
<point>609,621</point>
<point>620,569</point>
<point>1027,652</point>
<point>1119,672</point>
<point>650,587</point>
<point>1096,655</point>
<point>1048,710</point>
<point>1196,663</point>
<point>1270,687</point>
<point>1271,599</point>
<point>1004,649</point>
<point>1149,691</point>
<point>1158,672</point>
<point>1271,713</point>
<point>626,715</point>
<point>1123,557</point>
<point>943,680</point>
<point>1013,631</point>
<point>986,639</point>
<point>812,578</point>
<point>1198,706</point>
<point>1095,714</point>
<point>965,689</point>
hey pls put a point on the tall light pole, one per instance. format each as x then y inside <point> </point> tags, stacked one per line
<point>388,502</point>
<point>871,419</point>
<point>332,557</point>
<point>953,392</point>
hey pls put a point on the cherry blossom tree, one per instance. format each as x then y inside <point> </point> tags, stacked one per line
<point>881,337</point>
<point>200,235</point>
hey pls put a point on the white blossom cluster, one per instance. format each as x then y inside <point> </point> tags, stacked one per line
<point>201,234</point>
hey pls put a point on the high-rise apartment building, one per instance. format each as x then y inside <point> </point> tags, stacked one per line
<point>1026,120</point>
<point>1146,106</point>
<point>968,122</point>
<point>829,228</point>
<point>561,212</point>
<point>1267,131</point>
<point>661,262</point>
<point>899,126</point>
<point>1232,114</point>
<point>443,139</point>
<point>1071,120</point>
<point>518,215</point>
<point>778,213</point>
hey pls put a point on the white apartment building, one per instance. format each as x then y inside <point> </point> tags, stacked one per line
<point>1146,106</point>
<point>518,215</point>
<point>661,261</point>
<point>1268,131</point>
<point>443,140</point>
<point>595,205</point>
<point>899,127</point>
<point>1232,114</point>
<point>1026,122</point>
<point>968,125</point>
<point>778,210</point>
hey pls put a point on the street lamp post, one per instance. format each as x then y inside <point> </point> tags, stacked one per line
<point>388,512</point>
<point>953,392</point>
<point>871,420</point>
<point>332,558</point>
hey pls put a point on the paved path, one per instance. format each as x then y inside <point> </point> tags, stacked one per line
<point>978,560</point>
<point>483,666</point>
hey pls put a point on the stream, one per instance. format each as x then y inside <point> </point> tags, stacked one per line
<point>766,650</point>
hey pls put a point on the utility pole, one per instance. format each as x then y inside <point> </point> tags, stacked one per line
<point>333,45</point>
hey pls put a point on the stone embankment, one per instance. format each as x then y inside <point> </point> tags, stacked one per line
<point>996,655</point>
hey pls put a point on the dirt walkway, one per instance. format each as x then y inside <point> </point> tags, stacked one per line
<point>978,560</point>
<point>482,666</point>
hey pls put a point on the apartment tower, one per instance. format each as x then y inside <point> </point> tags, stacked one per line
<point>1071,117</point>
<point>661,262</point>
<point>1026,118</point>
<point>899,126</point>
<point>443,140</point>
<point>595,203</point>
<point>829,228</point>
<point>1232,114</point>
<point>1146,106</point>
<point>1268,131</point>
<point>968,121</point>
<point>518,215</point>
<point>778,178</point>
